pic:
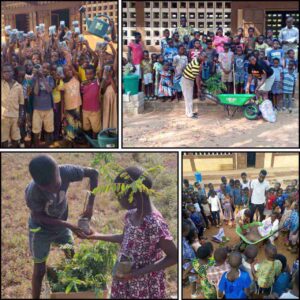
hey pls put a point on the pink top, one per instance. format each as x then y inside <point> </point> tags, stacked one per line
<point>218,43</point>
<point>137,52</point>
<point>90,92</point>
<point>141,243</point>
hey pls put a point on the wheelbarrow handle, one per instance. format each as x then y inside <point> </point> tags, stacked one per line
<point>211,97</point>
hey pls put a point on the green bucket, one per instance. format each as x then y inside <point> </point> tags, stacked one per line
<point>235,99</point>
<point>108,138</point>
<point>131,84</point>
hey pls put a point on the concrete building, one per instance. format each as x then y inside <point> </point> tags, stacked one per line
<point>25,15</point>
<point>152,17</point>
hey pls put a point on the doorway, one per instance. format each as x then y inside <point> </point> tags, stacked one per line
<point>251,159</point>
<point>60,15</point>
<point>22,22</point>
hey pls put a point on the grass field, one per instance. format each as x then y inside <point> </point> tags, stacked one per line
<point>16,262</point>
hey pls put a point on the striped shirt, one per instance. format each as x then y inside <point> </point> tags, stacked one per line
<point>289,80</point>
<point>192,70</point>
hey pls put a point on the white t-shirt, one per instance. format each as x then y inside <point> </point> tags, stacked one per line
<point>259,191</point>
<point>247,184</point>
<point>214,202</point>
<point>197,207</point>
<point>288,295</point>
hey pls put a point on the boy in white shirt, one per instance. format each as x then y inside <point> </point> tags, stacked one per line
<point>215,206</point>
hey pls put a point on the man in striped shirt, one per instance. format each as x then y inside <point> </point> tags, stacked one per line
<point>191,72</point>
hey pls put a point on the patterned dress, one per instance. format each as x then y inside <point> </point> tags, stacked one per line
<point>165,88</point>
<point>206,288</point>
<point>141,242</point>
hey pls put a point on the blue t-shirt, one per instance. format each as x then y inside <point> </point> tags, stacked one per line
<point>237,196</point>
<point>188,252</point>
<point>235,289</point>
<point>282,283</point>
<point>169,54</point>
<point>44,100</point>
<point>196,218</point>
<point>280,201</point>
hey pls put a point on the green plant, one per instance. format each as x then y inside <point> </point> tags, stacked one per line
<point>89,270</point>
<point>109,170</point>
<point>214,85</point>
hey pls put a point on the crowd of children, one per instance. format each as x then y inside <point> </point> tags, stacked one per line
<point>55,87</point>
<point>233,271</point>
<point>228,55</point>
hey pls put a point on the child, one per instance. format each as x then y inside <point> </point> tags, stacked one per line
<point>228,212</point>
<point>194,239</point>
<point>179,62</point>
<point>270,225</point>
<point>196,38</point>
<point>215,207</point>
<point>277,85</point>
<point>239,68</point>
<point>249,256</point>
<point>293,225</point>
<point>271,198</point>
<point>226,60</point>
<point>260,43</point>
<point>91,114</point>
<point>294,293</point>
<point>135,52</point>
<point>197,219</point>
<point>187,250</point>
<point>237,196</point>
<point>165,78</point>
<point>269,48</point>
<point>282,282</point>
<point>176,41</point>
<point>210,63</point>
<point>280,199</point>
<point>286,215</point>
<point>194,52</point>
<point>12,108</point>
<point>48,220</point>
<point>210,189</point>
<point>203,41</point>
<point>245,197</point>
<point>146,74</point>
<point>207,212</point>
<point>215,272</point>
<point>43,116</point>
<point>235,283</point>
<point>157,67</point>
<point>170,52</point>
<point>277,52</point>
<point>245,182</point>
<point>250,40</point>
<point>289,83</point>
<point>266,272</point>
<point>145,229</point>
<point>163,41</point>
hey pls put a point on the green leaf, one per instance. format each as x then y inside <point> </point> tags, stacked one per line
<point>69,287</point>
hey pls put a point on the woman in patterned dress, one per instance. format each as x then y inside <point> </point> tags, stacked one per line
<point>147,239</point>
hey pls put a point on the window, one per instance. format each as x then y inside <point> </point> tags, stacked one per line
<point>200,15</point>
<point>182,5</point>
<point>227,5</point>
<point>156,33</point>
<point>210,15</point>
<point>201,5</point>
<point>218,24</point>
<point>182,15</point>
<point>165,15</point>
<point>192,24</point>
<point>192,16</point>
<point>110,7</point>
<point>124,4</point>
<point>147,4</point>
<point>174,24</point>
<point>157,43</point>
<point>227,24</point>
<point>165,24</point>
<point>125,42</point>
<point>133,15</point>
<point>156,24</point>
<point>210,5</point>
<point>219,4</point>
<point>124,15</point>
<point>125,32</point>
<point>147,24</point>
<point>110,14</point>
<point>89,15</point>
<point>147,15</point>
<point>124,24</point>
<point>148,42</point>
<point>132,24</point>
<point>227,16</point>
<point>192,5</point>
<point>132,4</point>
<point>174,15</point>
<point>156,15</point>
<point>165,4</point>
<point>218,15</point>
<point>104,7</point>
<point>132,32</point>
<point>201,25</point>
<point>209,24</point>
<point>156,4</point>
<point>174,4</point>
<point>148,33</point>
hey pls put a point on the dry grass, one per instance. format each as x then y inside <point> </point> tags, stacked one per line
<point>16,262</point>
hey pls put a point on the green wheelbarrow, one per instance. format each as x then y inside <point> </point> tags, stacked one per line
<point>246,102</point>
<point>107,138</point>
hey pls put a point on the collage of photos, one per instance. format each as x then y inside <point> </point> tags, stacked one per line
<point>149,149</point>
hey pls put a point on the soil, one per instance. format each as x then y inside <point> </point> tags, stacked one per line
<point>235,239</point>
<point>165,125</point>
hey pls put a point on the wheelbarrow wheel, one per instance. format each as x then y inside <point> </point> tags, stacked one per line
<point>251,111</point>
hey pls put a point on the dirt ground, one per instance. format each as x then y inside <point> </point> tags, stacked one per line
<point>165,125</point>
<point>234,239</point>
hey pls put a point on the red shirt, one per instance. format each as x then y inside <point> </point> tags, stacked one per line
<point>137,52</point>
<point>90,94</point>
<point>270,201</point>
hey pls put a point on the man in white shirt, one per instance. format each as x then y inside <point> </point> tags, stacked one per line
<point>258,192</point>
<point>289,36</point>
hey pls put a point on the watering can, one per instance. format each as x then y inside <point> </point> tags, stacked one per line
<point>97,26</point>
<point>107,138</point>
